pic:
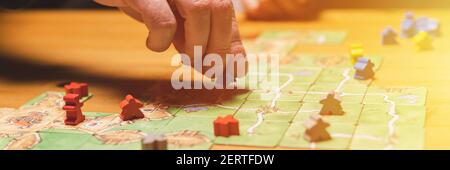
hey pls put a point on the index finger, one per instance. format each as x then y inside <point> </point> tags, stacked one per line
<point>159,19</point>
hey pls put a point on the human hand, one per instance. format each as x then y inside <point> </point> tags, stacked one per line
<point>280,9</point>
<point>186,23</point>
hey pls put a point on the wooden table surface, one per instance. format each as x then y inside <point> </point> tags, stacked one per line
<point>41,49</point>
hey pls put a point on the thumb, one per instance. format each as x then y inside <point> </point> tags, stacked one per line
<point>111,3</point>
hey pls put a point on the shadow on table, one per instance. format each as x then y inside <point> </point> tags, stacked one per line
<point>19,70</point>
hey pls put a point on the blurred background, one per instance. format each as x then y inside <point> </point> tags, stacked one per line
<point>30,4</point>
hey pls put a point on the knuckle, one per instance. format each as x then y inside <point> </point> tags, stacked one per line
<point>199,7</point>
<point>223,5</point>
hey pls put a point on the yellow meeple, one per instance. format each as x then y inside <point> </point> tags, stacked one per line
<point>356,51</point>
<point>423,41</point>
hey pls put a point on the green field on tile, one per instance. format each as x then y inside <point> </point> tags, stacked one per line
<point>299,74</point>
<point>340,132</point>
<point>379,114</point>
<point>267,134</point>
<point>281,106</point>
<point>271,95</point>
<point>61,141</point>
<point>208,111</point>
<point>143,125</point>
<point>350,93</point>
<point>250,115</point>
<point>401,96</point>
<point>351,115</point>
<point>4,141</point>
<point>375,137</point>
<point>60,130</point>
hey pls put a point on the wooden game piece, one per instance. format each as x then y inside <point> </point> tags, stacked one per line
<point>331,106</point>
<point>73,88</point>
<point>388,36</point>
<point>364,69</point>
<point>74,116</point>
<point>131,109</point>
<point>434,27</point>
<point>72,100</point>
<point>154,142</point>
<point>422,24</point>
<point>77,88</point>
<point>316,129</point>
<point>356,51</point>
<point>84,89</point>
<point>226,126</point>
<point>425,24</point>
<point>221,127</point>
<point>408,27</point>
<point>233,125</point>
<point>423,41</point>
<point>161,143</point>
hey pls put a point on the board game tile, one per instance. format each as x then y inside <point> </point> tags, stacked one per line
<point>61,130</point>
<point>173,109</point>
<point>273,116</point>
<point>300,74</point>
<point>322,37</point>
<point>141,125</point>
<point>284,79</point>
<point>336,75</point>
<point>207,111</point>
<point>253,77</point>
<point>287,106</point>
<point>270,115</point>
<point>95,144</point>
<point>267,134</point>
<point>188,132</point>
<point>350,93</point>
<point>375,137</point>
<point>280,106</point>
<point>378,114</point>
<point>61,141</point>
<point>318,92</point>
<point>341,134</point>
<point>45,95</point>
<point>353,93</point>
<point>276,42</point>
<point>297,87</point>
<point>317,60</point>
<point>4,141</point>
<point>94,122</point>
<point>28,119</point>
<point>270,95</point>
<point>254,104</point>
<point>235,103</point>
<point>351,116</point>
<point>399,95</point>
<point>272,35</point>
